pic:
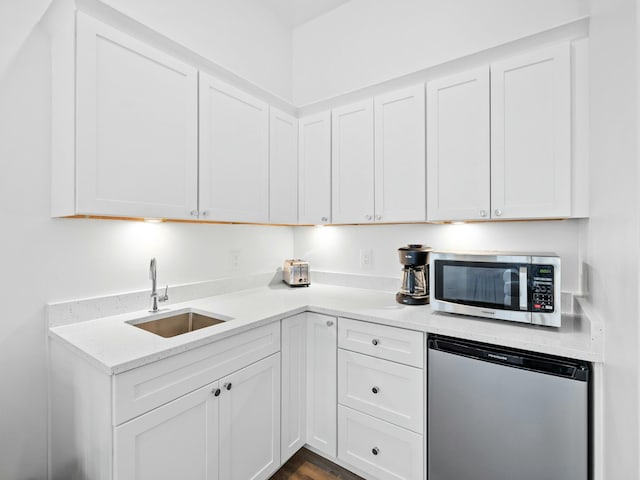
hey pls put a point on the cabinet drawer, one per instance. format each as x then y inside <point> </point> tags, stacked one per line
<point>384,389</point>
<point>142,389</point>
<point>379,448</point>
<point>391,343</point>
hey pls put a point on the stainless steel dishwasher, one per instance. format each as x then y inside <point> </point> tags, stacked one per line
<point>501,414</point>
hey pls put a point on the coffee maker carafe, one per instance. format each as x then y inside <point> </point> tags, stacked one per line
<point>415,275</point>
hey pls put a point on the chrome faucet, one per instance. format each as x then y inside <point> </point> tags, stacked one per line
<point>155,297</point>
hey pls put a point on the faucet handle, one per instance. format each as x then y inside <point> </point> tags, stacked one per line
<point>165,297</point>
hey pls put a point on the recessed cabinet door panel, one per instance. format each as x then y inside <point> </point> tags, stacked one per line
<point>400,156</point>
<point>294,381</point>
<point>250,421</point>
<point>314,169</point>
<point>177,440</point>
<point>137,150</point>
<point>352,171</point>
<point>321,383</point>
<point>234,154</point>
<point>283,168</point>
<point>531,135</point>
<point>458,150</point>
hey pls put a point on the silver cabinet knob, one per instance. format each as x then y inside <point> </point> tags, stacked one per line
<point>375,390</point>
<point>324,219</point>
<point>206,213</point>
<point>498,212</point>
<point>375,450</point>
<point>329,323</point>
<point>194,213</point>
<point>368,217</point>
<point>375,341</point>
<point>483,213</point>
<point>378,217</point>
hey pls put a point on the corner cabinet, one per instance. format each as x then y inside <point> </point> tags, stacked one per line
<point>234,154</point>
<point>322,344</point>
<point>314,169</point>
<point>136,129</point>
<point>283,167</point>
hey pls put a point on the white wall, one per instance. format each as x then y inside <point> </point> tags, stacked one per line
<point>612,254</point>
<point>369,41</point>
<point>337,249</point>
<point>245,37</point>
<point>44,260</point>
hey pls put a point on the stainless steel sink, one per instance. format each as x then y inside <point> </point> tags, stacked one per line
<point>178,324</point>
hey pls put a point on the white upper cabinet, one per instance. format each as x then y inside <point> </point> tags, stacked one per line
<point>458,149</point>
<point>314,169</point>
<point>283,168</point>
<point>234,154</point>
<point>531,135</point>
<point>352,169</point>
<point>400,156</point>
<point>136,127</point>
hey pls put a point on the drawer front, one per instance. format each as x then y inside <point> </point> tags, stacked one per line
<point>143,389</point>
<point>391,343</point>
<point>379,448</point>
<point>384,389</point>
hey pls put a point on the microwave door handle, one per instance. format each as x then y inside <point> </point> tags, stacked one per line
<point>523,288</point>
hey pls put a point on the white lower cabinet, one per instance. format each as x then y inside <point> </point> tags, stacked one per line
<point>177,440</point>
<point>381,402</point>
<point>379,448</point>
<point>387,390</point>
<point>321,383</point>
<point>250,421</point>
<point>293,429</point>
<point>229,429</point>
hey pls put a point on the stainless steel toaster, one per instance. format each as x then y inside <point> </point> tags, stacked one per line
<point>295,273</point>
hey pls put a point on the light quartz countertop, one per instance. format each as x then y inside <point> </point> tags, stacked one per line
<point>115,346</point>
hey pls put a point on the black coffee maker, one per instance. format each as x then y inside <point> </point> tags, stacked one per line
<point>415,275</point>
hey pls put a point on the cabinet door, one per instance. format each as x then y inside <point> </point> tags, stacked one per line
<point>294,382</point>
<point>314,169</point>
<point>234,154</point>
<point>250,421</point>
<point>458,148</point>
<point>283,168</point>
<point>531,135</point>
<point>321,382</point>
<point>352,180</point>
<point>136,128</point>
<point>177,440</point>
<point>400,156</point>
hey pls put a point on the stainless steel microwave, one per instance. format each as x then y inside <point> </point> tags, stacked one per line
<point>506,286</point>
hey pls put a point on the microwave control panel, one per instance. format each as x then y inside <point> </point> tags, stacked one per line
<point>542,288</point>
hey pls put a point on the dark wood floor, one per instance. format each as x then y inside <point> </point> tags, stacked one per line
<point>306,465</point>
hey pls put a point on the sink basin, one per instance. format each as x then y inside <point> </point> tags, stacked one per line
<point>178,324</point>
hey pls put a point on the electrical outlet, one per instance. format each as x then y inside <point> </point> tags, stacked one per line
<point>234,257</point>
<point>365,259</point>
